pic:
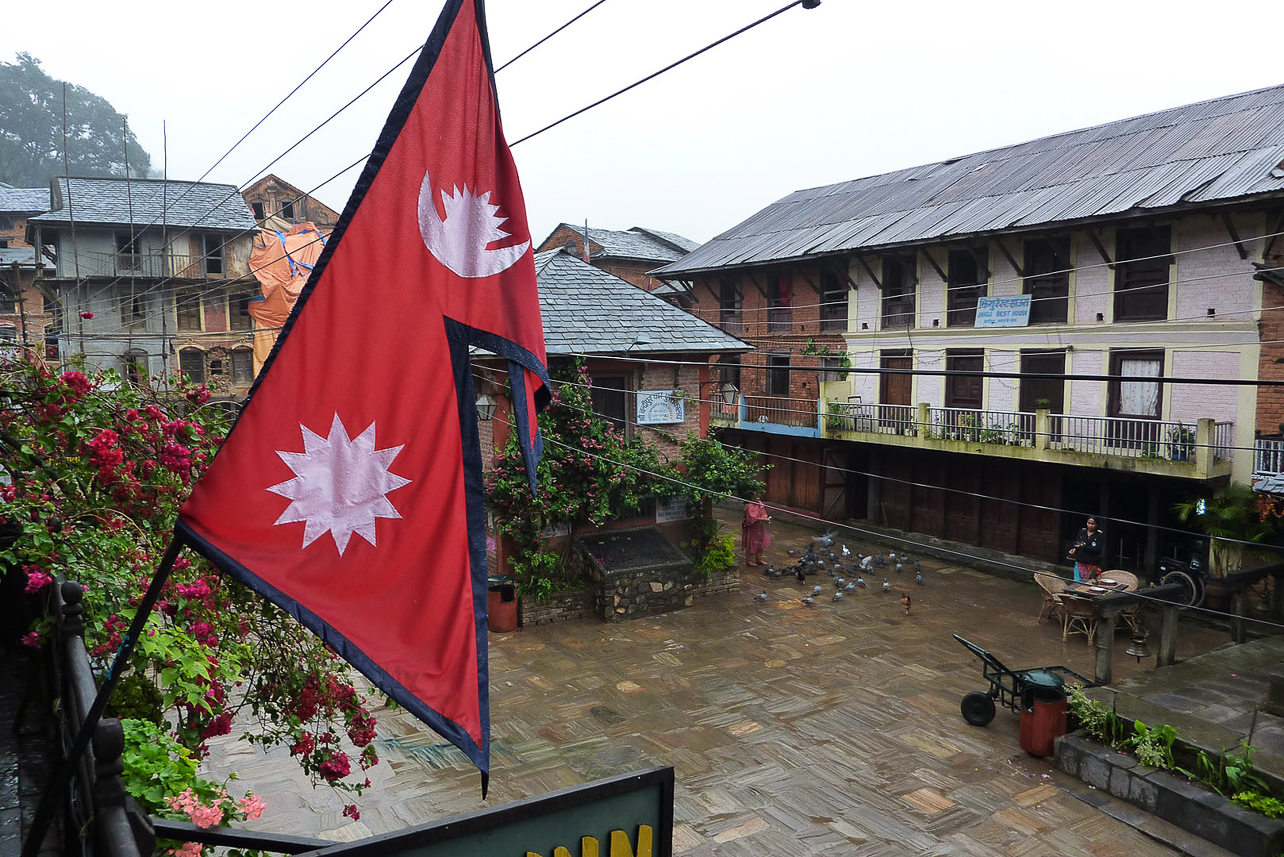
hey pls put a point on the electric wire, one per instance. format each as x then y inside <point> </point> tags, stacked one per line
<point>804,3</point>
<point>549,36</point>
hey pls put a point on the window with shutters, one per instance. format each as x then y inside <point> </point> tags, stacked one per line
<point>730,302</point>
<point>778,374</point>
<point>968,277</point>
<point>833,301</point>
<point>191,361</point>
<point>242,366</point>
<point>1141,273</point>
<point>900,281</point>
<point>780,303</point>
<point>187,306</point>
<point>1047,279</point>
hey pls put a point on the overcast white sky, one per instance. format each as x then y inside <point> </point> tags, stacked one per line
<point>850,89</point>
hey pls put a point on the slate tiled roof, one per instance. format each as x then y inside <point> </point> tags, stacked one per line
<point>648,245</point>
<point>588,311</point>
<point>202,205</point>
<point>24,200</point>
<point>1224,149</point>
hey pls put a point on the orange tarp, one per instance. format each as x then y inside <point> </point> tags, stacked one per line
<point>282,262</point>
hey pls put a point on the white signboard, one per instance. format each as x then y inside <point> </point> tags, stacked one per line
<point>672,510</point>
<point>1013,311</point>
<point>661,407</point>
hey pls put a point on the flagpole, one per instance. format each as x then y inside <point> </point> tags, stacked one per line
<point>61,778</point>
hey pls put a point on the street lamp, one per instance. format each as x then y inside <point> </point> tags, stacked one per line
<point>485,408</point>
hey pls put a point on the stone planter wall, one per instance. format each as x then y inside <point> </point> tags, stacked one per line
<point>562,607</point>
<point>1171,797</point>
<point>634,593</point>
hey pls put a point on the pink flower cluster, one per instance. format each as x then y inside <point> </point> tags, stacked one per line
<point>37,578</point>
<point>336,767</point>
<point>190,805</point>
<point>187,849</point>
<point>252,805</point>
<point>32,640</point>
<point>352,812</point>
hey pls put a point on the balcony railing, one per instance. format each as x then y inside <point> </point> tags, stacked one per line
<point>779,410</point>
<point>94,264</point>
<point>1268,456</point>
<point>1013,428</point>
<point>1133,438</point>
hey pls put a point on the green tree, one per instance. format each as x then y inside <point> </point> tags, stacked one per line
<point>31,133</point>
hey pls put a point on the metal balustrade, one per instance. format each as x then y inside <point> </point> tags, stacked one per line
<point>1173,440</point>
<point>1268,456</point>
<point>1010,428</point>
<point>88,263</point>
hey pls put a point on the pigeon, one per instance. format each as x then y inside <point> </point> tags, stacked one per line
<point>899,567</point>
<point>918,577</point>
<point>838,596</point>
<point>892,556</point>
<point>792,553</point>
<point>860,581</point>
<point>918,566</point>
<point>880,561</point>
<point>905,603</point>
<point>761,597</point>
<point>850,587</point>
<point>809,600</point>
<point>802,575</point>
<point>860,557</point>
<point>846,552</point>
<point>839,581</point>
<point>867,563</point>
<point>816,591</point>
<point>827,540</point>
<point>887,586</point>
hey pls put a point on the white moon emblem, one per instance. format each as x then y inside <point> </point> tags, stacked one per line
<point>459,241</point>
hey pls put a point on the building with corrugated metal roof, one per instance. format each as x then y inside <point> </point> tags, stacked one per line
<point>629,254</point>
<point>1144,248</point>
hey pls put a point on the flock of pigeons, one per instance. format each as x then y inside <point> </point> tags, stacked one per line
<point>820,557</point>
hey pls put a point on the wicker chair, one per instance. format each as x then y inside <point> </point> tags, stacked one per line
<point>1131,616</point>
<point>1052,585</point>
<point>1078,616</point>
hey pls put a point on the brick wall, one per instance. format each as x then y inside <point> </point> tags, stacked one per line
<point>17,236</point>
<point>1270,400</point>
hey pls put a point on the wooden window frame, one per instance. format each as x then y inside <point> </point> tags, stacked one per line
<point>778,375</point>
<point>213,262</point>
<point>189,316</point>
<point>1113,393</point>
<point>730,305</point>
<point>1142,286</point>
<point>242,355</point>
<point>780,303</point>
<point>833,302</point>
<point>1047,279</point>
<point>189,352</point>
<point>900,290</point>
<point>965,293</point>
<point>953,355</point>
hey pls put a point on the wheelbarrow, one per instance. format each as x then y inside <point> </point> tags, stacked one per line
<point>1010,688</point>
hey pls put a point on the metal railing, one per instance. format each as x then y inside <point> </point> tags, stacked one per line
<point>1009,428</point>
<point>98,264</point>
<point>1268,456</point>
<point>1223,440</point>
<point>780,410</point>
<point>1173,440</point>
<point>879,419</point>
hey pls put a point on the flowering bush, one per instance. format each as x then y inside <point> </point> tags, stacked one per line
<point>590,474</point>
<point>97,469</point>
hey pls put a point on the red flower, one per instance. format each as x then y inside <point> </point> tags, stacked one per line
<point>352,812</point>
<point>335,768</point>
<point>86,314</point>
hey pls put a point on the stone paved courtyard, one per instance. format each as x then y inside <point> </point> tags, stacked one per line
<point>830,729</point>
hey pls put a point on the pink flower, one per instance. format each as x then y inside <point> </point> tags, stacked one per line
<point>32,640</point>
<point>335,768</point>
<point>252,805</point>
<point>187,849</point>
<point>37,580</point>
<point>86,314</point>
<point>206,816</point>
<point>352,812</point>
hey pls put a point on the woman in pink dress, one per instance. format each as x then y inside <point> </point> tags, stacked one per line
<point>753,532</point>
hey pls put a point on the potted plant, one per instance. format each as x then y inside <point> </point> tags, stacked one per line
<point>1228,520</point>
<point>1181,442</point>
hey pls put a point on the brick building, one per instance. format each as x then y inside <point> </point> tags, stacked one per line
<point>273,198</point>
<point>630,254</point>
<point>25,315</point>
<point>1136,250</point>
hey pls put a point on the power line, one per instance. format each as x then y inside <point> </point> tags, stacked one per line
<point>549,36</point>
<point>806,4</point>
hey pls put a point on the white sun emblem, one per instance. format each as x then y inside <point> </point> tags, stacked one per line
<point>459,241</point>
<point>340,485</point>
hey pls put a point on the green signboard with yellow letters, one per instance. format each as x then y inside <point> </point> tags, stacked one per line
<point>625,816</point>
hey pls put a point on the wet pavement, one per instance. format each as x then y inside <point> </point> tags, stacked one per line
<point>794,729</point>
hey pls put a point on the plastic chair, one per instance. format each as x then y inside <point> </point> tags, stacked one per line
<point>1052,585</point>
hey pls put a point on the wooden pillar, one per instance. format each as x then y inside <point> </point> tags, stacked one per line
<point>1277,598</point>
<point>1167,636</point>
<point>1102,670</point>
<point>1239,606</point>
<point>1151,555</point>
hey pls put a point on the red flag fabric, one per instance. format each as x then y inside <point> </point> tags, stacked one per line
<point>349,491</point>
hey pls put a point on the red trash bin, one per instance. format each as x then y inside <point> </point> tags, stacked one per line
<point>1041,725</point>
<point>501,607</point>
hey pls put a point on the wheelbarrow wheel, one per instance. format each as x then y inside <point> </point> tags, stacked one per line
<point>978,708</point>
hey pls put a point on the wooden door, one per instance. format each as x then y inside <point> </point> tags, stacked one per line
<point>1000,518</point>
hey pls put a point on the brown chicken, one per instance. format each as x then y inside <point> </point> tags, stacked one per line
<point>905,603</point>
